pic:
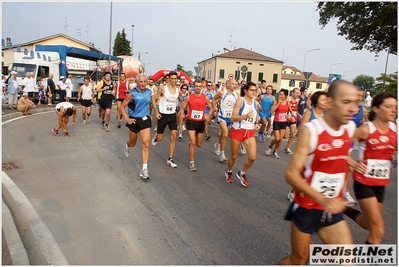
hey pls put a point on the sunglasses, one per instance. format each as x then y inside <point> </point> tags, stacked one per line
<point>209,85</point>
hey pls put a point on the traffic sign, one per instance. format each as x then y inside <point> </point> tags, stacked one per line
<point>231,76</point>
<point>332,77</point>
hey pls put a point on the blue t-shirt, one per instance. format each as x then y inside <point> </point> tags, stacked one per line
<point>142,101</point>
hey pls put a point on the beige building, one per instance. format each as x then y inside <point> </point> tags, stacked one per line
<point>230,63</point>
<point>291,77</point>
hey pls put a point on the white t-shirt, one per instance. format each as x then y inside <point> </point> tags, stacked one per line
<point>367,104</point>
<point>69,84</point>
<point>29,84</point>
<point>62,85</point>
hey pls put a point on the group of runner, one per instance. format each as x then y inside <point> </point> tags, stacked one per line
<point>320,168</point>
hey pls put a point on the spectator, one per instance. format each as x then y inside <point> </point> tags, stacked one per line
<point>367,103</point>
<point>25,104</point>
<point>50,90</point>
<point>69,88</point>
<point>13,90</point>
<point>40,88</point>
<point>61,87</point>
<point>29,85</point>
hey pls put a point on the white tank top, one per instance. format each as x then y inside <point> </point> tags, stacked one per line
<point>87,92</point>
<point>248,123</point>
<point>168,102</point>
<point>227,104</point>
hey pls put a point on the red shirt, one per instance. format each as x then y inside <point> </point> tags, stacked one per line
<point>280,114</point>
<point>121,91</point>
<point>294,108</point>
<point>376,152</point>
<point>326,164</point>
<point>196,108</point>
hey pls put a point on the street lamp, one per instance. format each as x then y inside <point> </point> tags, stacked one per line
<point>146,52</point>
<point>303,69</point>
<point>343,75</point>
<point>132,39</point>
<point>333,65</point>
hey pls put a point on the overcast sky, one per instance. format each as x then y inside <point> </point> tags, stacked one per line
<point>188,32</point>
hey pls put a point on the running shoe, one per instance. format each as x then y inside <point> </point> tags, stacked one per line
<point>192,167</point>
<point>349,198</point>
<point>184,127</point>
<point>217,149</point>
<point>288,151</point>
<point>88,118</point>
<point>154,140</point>
<point>261,137</point>
<point>229,177</point>
<point>107,128</point>
<point>242,149</point>
<point>207,137</point>
<point>171,163</point>
<point>290,196</point>
<point>275,155</point>
<point>66,134</point>
<point>155,129</point>
<point>243,178</point>
<point>126,151</point>
<point>119,125</point>
<point>144,174</point>
<point>180,135</point>
<point>84,123</point>
<point>222,157</point>
<point>103,125</point>
<point>268,135</point>
<point>268,151</point>
<point>55,132</point>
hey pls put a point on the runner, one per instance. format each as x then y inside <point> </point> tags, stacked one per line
<point>321,153</point>
<point>244,119</point>
<point>196,103</point>
<point>372,172</point>
<point>303,103</point>
<point>281,108</point>
<point>108,90</point>
<point>138,120</point>
<point>227,99</point>
<point>210,93</point>
<point>266,101</point>
<point>86,98</point>
<point>168,96</point>
<point>64,110</point>
<point>121,89</point>
<point>183,94</point>
<point>293,101</point>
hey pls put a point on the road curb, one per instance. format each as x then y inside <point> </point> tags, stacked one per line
<point>35,235</point>
<point>13,239</point>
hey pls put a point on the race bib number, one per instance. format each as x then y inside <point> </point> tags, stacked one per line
<point>282,117</point>
<point>378,169</point>
<point>170,107</point>
<point>197,114</point>
<point>330,185</point>
<point>227,113</point>
<point>250,119</point>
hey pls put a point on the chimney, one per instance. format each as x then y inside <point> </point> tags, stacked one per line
<point>218,53</point>
<point>8,41</point>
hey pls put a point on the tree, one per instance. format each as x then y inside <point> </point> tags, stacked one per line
<point>391,83</point>
<point>121,45</point>
<point>181,68</point>
<point>368,25</point>
<point>364,81</point>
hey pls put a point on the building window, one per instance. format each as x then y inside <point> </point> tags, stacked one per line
<point>291,83</point>
<point>261,64</point>
<point>238,62</point>
<point>209,75</point>
<point>249,63</point>
<point>249,76</point>
<point>319,85</point>
<point>221,73</point>
<point>275,77</point>
<point>260,76</point>
<point>301,84</point>
<point>237,75</point>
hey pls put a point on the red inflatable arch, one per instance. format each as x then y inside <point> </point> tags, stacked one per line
<point>159,74</point>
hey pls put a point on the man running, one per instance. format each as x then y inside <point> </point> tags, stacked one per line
<point>317,172</point>
<point>196,119</point>
<point>86,98</point>
<point>108,90</point>
<point>266,101</point>
<point>293,101</point>
<point>121,89</point>
<point>168,96</point>
<point>210,93</point>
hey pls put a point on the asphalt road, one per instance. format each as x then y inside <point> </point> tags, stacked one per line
<point>101,212</point>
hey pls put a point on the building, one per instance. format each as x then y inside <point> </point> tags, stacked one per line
<point>231,64</point>
<point>291,77</point>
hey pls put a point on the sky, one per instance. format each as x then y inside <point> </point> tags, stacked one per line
<point>186,33</point>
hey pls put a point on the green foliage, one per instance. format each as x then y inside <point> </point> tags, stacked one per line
<point>365,80</point>
<point>121,45</point>
<point>391,83</point>
<point>367,25</point>
<point>181,68</point>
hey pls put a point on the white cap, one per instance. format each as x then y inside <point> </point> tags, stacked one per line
<point>14,72</point>
<point>25,93</point>
<point>182,77</point>
<point>62,77</point>
<point>368,92</point>
<point>219,81</point>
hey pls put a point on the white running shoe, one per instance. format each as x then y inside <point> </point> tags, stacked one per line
<point>275,155</point>
<point>349,198</point>
<point>154,140</point>
<point>222,157</point>
<point>155,129</point>
<point>242,149</point>
<point>268,151</point>
<point>126,151</point>
<point>288,151</point>
<point>171,163</point>
<point>291,196</point>
<point>184,127</point>
<point>144,174</point>
<point>217,149</point>
<point>180,135</point>
<point>192,167</point>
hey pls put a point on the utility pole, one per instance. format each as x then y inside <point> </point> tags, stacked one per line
<point>87,27</point>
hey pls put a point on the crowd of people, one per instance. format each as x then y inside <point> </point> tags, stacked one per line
<point>324,125</point>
